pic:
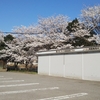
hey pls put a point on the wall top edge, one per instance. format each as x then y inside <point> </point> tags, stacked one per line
<point>74,50</point>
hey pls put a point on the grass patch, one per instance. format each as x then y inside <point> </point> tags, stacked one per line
<point>18,71</point>
<point>23,71</point>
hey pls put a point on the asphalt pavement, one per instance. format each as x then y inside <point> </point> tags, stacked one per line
<point>20,86</point>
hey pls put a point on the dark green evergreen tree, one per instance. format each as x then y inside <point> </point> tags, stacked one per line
<point>2,45</point>
<point>8,38</point>
<point>73,25</point>
<point>81,40</point>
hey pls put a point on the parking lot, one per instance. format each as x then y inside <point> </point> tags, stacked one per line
<point>20,86</point>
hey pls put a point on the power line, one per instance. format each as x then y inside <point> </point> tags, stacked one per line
<point>17,33</point>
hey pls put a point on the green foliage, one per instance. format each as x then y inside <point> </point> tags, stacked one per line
<point>26,48</point>
<point>2,45</point>
<point>8,38</point>
<point>79,41</point>
<point>72,25</point>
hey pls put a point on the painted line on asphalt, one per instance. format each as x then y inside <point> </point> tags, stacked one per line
<point>12,81</point>
<point>65,96</point>
<point>19,85</point>
<point>31,90</point>
<point>5,78</point>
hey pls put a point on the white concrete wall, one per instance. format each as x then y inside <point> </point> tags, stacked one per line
<point>73,65</point>
<point>92,66</point>
<point>43,65</point>
<point>56,65</point>
<point>80,66</point>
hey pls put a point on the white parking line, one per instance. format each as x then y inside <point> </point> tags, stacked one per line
<point>19,85</point>
<point>5,78</point>
<point>65,96</point>
<point>31,90</point>
<point>12,81</point>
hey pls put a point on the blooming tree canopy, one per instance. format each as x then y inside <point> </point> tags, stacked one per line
<point>91,18</point>
<point>50,29</point>
<point>55,32</point>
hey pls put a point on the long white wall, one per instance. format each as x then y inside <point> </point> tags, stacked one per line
<point>56,65</point>
<point>43,65</point>
<point>92,66</point>
<point>80,66</point>
<point>73,66</point>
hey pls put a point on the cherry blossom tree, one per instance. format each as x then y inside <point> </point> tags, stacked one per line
<point>53,27</point>
<point>55,32</point>
<point>31,39</point>
<point>44,35</point>
<point>91,18</point>
<point>50,29</point>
